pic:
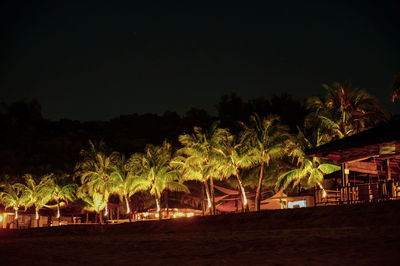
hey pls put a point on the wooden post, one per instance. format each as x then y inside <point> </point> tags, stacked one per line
<point>118,214</point>
<point>389,171</point>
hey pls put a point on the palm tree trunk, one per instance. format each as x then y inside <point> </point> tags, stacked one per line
<point>128,209</point>
<point>16,217</point>
<point>101,217</point>
<point>212,194</point>
<point>37,217</point>
<point>158,208</point>
<point>166,202</point>
<point>58,212</point>
<point>208,196</point>
<point>202,198</point>
<point>87,217</point>
<point>243,197</point>
<point>259,187</point>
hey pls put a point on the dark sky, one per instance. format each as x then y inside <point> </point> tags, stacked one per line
<point>99,59</point>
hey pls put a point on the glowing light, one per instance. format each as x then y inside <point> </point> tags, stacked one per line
<point>37,215</point>
<point>158,206</point>
<point>145,214</point>
<point>244,197</point>
<point>16,214</point>
<point>58,213</point>
<point>180,214</point>
<point>1,218</point>
<point>190,214</point>
<point>157,215</point>
<point>209,202</point>
<point>324,194</point>
<point>128,210</point>
<point>106,212</point>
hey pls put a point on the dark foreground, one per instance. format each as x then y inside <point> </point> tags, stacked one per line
<point>359,234</point>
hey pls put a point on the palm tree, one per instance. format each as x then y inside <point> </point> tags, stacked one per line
<point>95,202</point>
<point>197,161</point>
<point>62,190</point>
<point>344,111</point>
<point>234,156</point>
<point>154,172</point>
<point>122,180</point>
<point>95,170</point>
<point>12,197</point>
<point>37,194</point>
<point>310,169</point>
<point>267,136</point>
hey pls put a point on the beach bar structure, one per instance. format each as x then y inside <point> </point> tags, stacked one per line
<point>370,163</point>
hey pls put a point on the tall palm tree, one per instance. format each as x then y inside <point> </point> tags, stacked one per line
<point>12,197</point>
<point>344,111</point>
<point>37,194</point>
<point>267,136</point>
<point>312,170</point>
<point>122,180</point>
<point>198,157</point>
<point>94,171</point>
<point>62,190</point>
<point>232,157</point>
<point>154,172</point>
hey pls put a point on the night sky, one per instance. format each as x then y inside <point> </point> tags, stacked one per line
<point>99,59</point>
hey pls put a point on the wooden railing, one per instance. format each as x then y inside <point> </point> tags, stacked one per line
<point>370,192</point>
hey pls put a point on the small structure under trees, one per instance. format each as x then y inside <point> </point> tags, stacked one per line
<point>370,163</point>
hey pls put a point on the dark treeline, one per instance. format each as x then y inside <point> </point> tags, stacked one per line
<point>29,143</point>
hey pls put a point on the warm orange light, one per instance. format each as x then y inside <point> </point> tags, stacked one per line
<point>190,214</point>
<point>244,198</point>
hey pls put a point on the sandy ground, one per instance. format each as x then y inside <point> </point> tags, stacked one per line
<point>366,234</point>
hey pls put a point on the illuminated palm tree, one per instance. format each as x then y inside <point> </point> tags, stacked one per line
<point>312,170</point>
<point>122,180</point>
<point>267,136</point>
<point>62,190</point>
<point>154,172</point>
<point>37,194</point>
<point>12,197</point>
<point>344,111</point>
<point>232,157</point>
<point>198,158</point>
<point>94,171</point>
<point>95,202</point>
